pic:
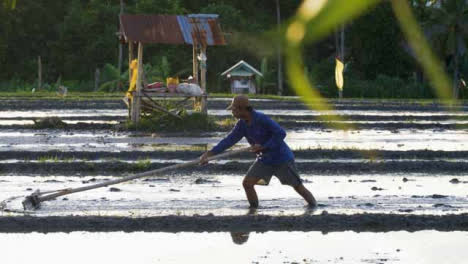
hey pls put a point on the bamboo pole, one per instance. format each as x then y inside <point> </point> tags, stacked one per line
<point>58,193</point>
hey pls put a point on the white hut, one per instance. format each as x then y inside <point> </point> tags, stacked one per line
<point>242,77</point>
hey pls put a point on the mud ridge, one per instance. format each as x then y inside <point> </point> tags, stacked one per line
<point>221,104</point>
<point>193,154</point>
<point>317,117</point>
<point>253,223</point>
<point>96,117</point>
<point>231,168</point>
<point>290,125</point>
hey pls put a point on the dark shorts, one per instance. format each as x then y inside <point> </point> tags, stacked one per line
<point>285,172</point>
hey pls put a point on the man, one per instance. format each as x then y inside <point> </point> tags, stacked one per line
<point>267,140</point>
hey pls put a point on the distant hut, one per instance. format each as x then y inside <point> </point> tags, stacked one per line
<point>242,77</point>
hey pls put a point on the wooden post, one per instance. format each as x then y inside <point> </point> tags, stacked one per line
<point>119,63</point>
<point>204,109</point>
<point>280,62</point>
<point>195,63</point>
<point>130,59</point>
<point>342,53</point>
<point>136,102</point>
<point>339,45</point>
<point>39,73</point>
<point>97,74</point>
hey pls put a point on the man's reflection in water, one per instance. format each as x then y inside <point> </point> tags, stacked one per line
<point>239,237</point>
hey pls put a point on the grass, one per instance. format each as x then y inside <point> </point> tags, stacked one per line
<point>71,96</point>
<point>256,96</point>
<point>226,123</point>
<point>172,147</point>
<point>116,95</point>
<point>43,159</point>
<point>48,158</point>
<point>83,96</point>
<point>143,164</point>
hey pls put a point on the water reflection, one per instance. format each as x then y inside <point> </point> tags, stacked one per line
<point>241,237</point>
<point>267,247</point>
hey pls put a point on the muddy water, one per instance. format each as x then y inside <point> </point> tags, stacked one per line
<point>447,140</point>
<point>345,184</point>
<point>223,195</point>
<point>236,247</point>
<point>305,112</point>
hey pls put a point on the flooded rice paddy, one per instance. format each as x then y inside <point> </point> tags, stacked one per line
<point>387,181</point>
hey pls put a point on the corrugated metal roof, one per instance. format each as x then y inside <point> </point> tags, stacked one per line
<point>171,29</point>
<point>151,29</point>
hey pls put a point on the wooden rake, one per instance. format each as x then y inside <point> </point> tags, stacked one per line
<point>33,201</point>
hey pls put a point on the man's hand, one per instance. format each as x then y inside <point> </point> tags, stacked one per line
<point>205,156</point>
<point>256,148</point>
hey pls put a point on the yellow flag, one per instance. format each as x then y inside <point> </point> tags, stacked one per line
<point>339,74</point>
<point>134,70</point>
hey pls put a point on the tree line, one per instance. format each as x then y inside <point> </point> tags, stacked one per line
<point>74,38</point>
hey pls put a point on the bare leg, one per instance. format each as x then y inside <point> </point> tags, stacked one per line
<point>248,184</point>
<point>302,190</point>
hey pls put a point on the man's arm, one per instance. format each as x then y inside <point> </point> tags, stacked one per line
<point>278,133</point>
<point>234,136</point>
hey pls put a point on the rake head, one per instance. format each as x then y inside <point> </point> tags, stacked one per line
<point>32,202</point>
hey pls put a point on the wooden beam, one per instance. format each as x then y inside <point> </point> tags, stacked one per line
<point>97,75</point>
<point>119,62</point>
<point>195,63</point>
<point>136,104</point>
<point>160,108</point>
<point>39,73</point>
<point>204,109</point>
<point>130,59</point>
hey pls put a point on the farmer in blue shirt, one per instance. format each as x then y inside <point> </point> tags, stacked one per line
<point>266,138</point>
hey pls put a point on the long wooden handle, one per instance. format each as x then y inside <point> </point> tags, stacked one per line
<point>137,176</point>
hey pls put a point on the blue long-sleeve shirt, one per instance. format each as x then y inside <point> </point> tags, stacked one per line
<point>263,131</point>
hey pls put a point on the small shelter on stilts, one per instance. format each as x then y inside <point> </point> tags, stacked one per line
<point>198,30</point>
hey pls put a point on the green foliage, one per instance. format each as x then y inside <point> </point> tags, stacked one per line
<point>16,85</point>
<point>112,80</point>
<point>376,45</point>
<point>75,37</point>
<point>382,86</point>
<point>9,4</point>
<point>386,87</point>
<point>448,29</point>
<point>160,71</point>
<point>230,17</point>
<point>267,83</point>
